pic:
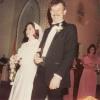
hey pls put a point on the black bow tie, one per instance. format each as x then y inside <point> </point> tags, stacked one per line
<point>55,24</point>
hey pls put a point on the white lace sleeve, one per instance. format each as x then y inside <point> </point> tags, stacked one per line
<point>38,27</point>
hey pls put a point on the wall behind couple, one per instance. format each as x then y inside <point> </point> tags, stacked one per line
<point>15,13</point>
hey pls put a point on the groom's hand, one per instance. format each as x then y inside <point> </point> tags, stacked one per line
<point>55,82</point>
<point>38,59</point>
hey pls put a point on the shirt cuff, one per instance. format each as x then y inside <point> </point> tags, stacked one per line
<point>58,76</point>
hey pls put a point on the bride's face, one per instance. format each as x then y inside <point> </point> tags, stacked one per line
<point>30,31</point>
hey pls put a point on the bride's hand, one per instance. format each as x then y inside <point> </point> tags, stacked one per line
<point>38,60</point>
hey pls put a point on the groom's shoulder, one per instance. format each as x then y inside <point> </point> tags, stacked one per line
<point>68,24</point>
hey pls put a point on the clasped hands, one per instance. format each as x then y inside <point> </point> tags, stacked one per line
<point>56,79</point>
<point>37,58</point>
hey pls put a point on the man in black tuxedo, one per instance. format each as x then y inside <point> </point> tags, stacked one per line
<point>58,48</point>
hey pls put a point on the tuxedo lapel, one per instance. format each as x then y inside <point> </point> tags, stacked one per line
<point>44,38</point>
<point>46,33</point>
<point>57,34</point>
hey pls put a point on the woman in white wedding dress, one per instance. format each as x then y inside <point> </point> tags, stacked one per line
<point>23,82</point>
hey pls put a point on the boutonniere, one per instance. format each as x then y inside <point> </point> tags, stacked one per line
<point>59,27</point>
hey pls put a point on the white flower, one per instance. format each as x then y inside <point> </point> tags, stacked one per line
<point>59,28</point>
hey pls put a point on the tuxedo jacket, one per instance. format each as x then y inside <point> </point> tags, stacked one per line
<point>61,53</point>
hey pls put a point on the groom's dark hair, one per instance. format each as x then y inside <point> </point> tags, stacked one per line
<point>55,2</point>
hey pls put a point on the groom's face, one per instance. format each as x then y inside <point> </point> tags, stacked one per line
<point>57,12</point>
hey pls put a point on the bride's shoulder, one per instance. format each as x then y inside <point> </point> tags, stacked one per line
<point>23,45</point>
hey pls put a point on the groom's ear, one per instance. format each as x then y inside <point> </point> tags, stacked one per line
<point>65,11</point>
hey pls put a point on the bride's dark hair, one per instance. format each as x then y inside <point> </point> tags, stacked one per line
<point>25,39</point>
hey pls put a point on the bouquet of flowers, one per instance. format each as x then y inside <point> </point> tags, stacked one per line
<point>13,61</point>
